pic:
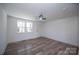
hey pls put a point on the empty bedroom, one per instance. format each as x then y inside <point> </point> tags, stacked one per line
<point>39,28</point>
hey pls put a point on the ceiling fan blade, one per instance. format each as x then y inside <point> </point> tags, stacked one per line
<point>44,18</point>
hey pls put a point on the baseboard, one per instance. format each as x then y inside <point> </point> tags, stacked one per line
<point>24,39</point>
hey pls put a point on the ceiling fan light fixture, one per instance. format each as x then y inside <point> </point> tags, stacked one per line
<point>40,18</point>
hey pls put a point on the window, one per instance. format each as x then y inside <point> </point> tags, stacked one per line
<point>21,26</point>
<point>29,26</point>
<point>24,26</point>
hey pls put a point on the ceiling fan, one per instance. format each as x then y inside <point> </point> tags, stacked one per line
<point>41,17</point>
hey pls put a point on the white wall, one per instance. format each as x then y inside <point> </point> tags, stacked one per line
<point>40,28</point>
<point>13,36</point>
<point>77,31</point>
<point>64,30</point>
<point>3,25</point>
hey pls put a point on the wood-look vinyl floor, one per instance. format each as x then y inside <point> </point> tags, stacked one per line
<point>40,46</point>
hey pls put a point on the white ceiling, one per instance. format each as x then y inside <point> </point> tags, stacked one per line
<point>32,10</point>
